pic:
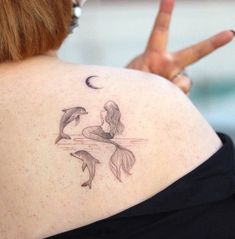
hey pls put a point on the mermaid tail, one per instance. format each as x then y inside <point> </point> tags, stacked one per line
<point>97,133</point>
<point>121,159</point>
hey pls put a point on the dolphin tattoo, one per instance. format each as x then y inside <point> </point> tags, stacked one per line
<point>89,162</point>
<point>69,115</point>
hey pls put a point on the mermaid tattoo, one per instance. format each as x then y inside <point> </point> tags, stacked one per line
<point>122,158</point>
<point>111,125</point>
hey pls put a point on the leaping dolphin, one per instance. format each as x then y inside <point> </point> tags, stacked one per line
<point>69,115</point>
<point>89,162</point>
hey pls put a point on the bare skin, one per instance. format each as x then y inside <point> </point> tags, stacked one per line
<point>40,193</point>
<point>157,60</point>
<point>40,183</point>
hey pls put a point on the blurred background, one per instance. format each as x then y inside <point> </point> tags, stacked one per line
<point>112,32</point>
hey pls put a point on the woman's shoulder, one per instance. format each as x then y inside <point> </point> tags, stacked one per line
<point>63,82</point>
<point>154,136</point>
<point>48,72</point>
<point>120,76</point>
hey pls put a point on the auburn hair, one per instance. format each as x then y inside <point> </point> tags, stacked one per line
<point>32,27</point>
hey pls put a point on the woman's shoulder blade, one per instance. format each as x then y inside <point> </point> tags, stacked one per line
<point>71,133</point>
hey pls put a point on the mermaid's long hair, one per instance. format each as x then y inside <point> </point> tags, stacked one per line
<point>113,118</point>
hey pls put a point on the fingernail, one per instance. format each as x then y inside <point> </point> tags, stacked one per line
<point>233,32</point>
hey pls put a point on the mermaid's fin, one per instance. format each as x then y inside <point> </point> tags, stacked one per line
<point>121,159</point>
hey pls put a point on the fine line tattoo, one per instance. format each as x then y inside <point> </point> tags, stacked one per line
<point>69,115</point>
<point>122,158</point>
<point>89,83</point>
<point>89,162</point>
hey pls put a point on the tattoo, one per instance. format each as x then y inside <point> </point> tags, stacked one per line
<point>89,162</point>
<point>89,84</point>
<point>69,116</point>
<point>121,160</point>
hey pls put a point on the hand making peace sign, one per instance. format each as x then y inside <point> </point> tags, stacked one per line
<point>156,59</point>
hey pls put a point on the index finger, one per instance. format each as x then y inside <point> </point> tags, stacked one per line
<point>159,36</point>
<point>194,53</point>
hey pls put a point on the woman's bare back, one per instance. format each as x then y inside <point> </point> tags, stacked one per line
<point>54,176</point>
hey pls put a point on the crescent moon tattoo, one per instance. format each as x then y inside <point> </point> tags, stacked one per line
<point>89,83</point>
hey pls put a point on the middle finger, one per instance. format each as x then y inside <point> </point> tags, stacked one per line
<point>159,36</point>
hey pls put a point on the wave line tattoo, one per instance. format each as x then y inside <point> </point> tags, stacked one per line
<point>71,114</point>
<point>122,158</point>
<point>89,162</point>
<point>90,85</point>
